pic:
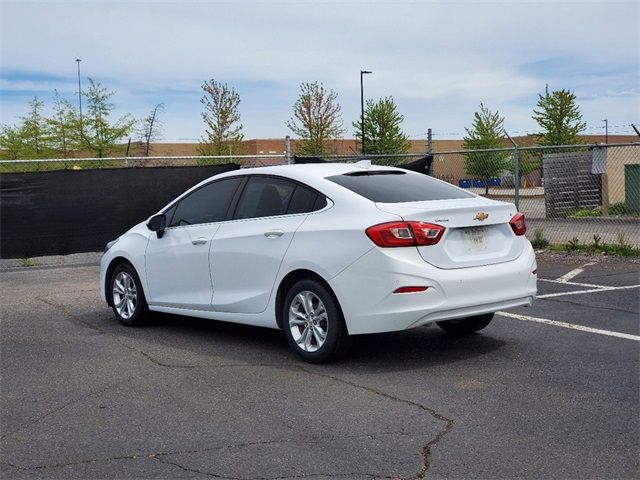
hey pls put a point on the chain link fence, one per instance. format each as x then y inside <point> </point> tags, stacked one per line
<point>581,194</point>
<point>575,193</point>
<point>43,165</point>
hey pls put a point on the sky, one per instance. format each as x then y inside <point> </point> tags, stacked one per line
<point>437,59</point>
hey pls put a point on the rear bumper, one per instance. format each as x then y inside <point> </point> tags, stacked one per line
<point>364,290</point>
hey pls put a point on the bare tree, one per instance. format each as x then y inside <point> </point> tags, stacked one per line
<point>150,129</point>
<point>223,132</point>
<point>318,118</point>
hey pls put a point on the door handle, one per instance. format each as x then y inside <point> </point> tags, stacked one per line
<point>199,241</point>
<point>274,233</point>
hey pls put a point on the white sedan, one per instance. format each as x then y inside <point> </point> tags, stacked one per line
<point>323,252</point>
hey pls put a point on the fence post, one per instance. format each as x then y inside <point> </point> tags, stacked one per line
<point>516,172</point>
<point>516,177</point>
<point>287,150</point>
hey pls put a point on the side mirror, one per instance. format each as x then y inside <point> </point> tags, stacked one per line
<point>157,224</point>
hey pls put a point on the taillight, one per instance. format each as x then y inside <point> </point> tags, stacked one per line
<point>405,234</point>
<point>518,224</point>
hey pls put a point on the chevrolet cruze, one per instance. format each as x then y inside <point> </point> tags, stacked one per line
<point>324,252</point>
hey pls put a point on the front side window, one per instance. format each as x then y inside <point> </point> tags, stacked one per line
<point>207,204</point>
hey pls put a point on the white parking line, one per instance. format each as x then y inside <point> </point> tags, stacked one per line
<point>579,292</point>
<point>555,323</point>
<point>575,284</point>
<point>574,273</point>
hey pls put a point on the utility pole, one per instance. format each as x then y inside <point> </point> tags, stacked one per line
<point>362,74</point>
<point>79,90</point>
<point>429,141</point>
<point>606,130</point>
<point>636,129</point>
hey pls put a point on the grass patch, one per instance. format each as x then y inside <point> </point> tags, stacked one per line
<point>582,212</point>
<point>26,262</point>
<point>621,248</point>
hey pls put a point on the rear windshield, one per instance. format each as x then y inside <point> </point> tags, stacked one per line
<point>394,186</point>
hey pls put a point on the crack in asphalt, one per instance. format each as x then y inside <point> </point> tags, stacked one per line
<point>111,335</point>
<point>426,452</point>
<point>65,405</point>
<point>159,457</point>
<point>426,449</point>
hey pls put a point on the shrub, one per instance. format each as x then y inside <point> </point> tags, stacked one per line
<point>538,239</point>
<point>582,213</point>
<point>617,208</point>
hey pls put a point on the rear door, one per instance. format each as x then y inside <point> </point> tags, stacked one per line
<point>247,252</point>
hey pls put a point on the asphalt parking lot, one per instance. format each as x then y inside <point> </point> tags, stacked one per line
<point>550,391</point>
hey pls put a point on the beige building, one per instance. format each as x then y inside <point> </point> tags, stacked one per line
<point>622,173</point>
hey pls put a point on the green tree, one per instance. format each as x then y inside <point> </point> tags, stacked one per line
<point>486,132</point>
<point>96,131</point>
<point>223,132</point>
<point>559,118</point>
<point>35,132</point>
<point>63,127</point>
<point>12,142</point>
<point>317,119</point>
<point>382,131</point>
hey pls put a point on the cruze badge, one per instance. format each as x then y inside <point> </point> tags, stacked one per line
<point>481,216</point>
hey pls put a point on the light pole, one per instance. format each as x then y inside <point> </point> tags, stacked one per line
<point>79,90</point>
<point>606,130</point>
<point>362,74</point>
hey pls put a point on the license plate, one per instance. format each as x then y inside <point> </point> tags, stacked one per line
<point>475,238</point>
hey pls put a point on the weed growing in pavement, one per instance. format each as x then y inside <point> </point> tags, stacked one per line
<point>26,262</point>
<point>573,244</point>
<point>596,241</point>
<point>538,239</point>
<point>621,249</point>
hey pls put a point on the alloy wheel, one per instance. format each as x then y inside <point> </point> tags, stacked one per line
<point>125,295</point>
<point>308,321</point>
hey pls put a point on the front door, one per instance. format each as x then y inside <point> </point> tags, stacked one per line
<point>177,265</point>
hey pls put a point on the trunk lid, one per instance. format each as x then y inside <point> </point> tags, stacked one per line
<point>477,230</point>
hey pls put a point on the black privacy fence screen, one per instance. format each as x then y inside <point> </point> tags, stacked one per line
<point>72,211</point>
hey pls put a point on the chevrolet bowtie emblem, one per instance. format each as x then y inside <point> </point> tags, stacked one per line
<point>481,216</point>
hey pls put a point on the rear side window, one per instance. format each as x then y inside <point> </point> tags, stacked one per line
<point>264,197</point>
<point>302,201</point>
<point>394,186</point>
<point>207,204</point>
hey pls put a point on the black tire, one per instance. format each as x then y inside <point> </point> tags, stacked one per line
<point>337,340</point>
<point>466,326</point>
<point>140,311</point>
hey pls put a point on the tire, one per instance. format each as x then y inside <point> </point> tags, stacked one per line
<point>304,329</point>
<point>127,297</point>
<point>466,326</point>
